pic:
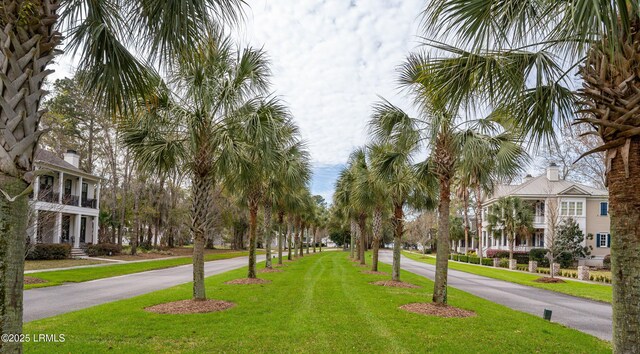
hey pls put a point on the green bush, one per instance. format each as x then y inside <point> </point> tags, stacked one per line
<point>539,255</point>
<point>474,259</point>
<point>606,262</point>
<point>48,251</point>
<point>519,256</point>
<point>487,262</point>
<point>504,262</point>
<point>463,258</point>
<point>104,249</point>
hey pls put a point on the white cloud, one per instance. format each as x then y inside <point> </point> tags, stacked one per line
<point>331,60</point>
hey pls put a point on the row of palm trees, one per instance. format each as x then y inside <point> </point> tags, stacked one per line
<point>386,177</point>
<point>214,117</point>
<point>522,58</point>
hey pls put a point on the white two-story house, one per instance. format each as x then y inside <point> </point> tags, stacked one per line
<point>65,202</point>
<point>550,196</point>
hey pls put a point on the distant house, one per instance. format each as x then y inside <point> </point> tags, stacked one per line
<point>587,205</point>
<point>65,202</point>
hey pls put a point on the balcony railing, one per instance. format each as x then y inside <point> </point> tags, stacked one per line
<point>538,219</point>
<point>70,199</point>
<point>50,196</point>
<point>47,195</point>
<point>89,203</point>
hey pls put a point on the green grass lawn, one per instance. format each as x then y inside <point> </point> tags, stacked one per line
<point>318,304</point>
<point>85,274</point>
<point>60,263</point>
<point>586,290</point>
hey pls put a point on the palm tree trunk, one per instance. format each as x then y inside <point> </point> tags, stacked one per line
<point>352,239</point>
<point>442,253</point>
<point>298,244</point>
<point>363,239</point>
<point>314,238</point>
<point>267,233</point>
<point>199,210</point>
<point>398,220</point>
<point>377,228</point>
<point>290,233</point>
<point>479,222</point>
<point>625,249</point>
<point>307,238</point>
<point>511,242</point>
<point>253,218</point>
<point>280,222</point>
<point>13,233</point>
<point>466,221</point>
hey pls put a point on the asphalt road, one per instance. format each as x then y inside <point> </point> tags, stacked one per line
<point>588,316</point>
<point>46,302</point>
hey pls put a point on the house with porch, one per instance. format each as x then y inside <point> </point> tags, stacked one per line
<point>550,196</point>
<point>65,202</point>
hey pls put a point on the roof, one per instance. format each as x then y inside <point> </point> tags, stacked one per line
<point>50,158</point>
<point>542,186</point>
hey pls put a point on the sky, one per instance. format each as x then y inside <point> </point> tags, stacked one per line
<point>330,60</point>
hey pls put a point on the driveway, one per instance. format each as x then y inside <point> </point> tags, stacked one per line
<point>585,315</point>
<point>46,302</point>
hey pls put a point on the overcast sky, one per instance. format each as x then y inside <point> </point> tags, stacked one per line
<point>330,60</point>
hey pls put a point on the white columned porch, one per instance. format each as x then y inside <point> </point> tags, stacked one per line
<point>36,188</point>
<point>97,197</point>
<point>76,231</point>
<point>34,226</point>
<point>58,228</point>
<point>95,230</point>
<point>60,187</point>
<point>79,192</point>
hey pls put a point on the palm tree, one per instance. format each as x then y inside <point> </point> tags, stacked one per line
<point>397,139</point>
<point>521,56</point>
<point>342,200</point>
<point>191,126</point>
<point>488,159</point>
<point>511,216</point>
<point>264,132</point>
<point>99,31</point>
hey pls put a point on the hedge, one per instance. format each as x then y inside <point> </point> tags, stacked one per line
<point>104,249</point>
<point>521,257</point>
<point>49,251</point>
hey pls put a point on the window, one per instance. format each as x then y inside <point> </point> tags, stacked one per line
<point>604,209</point>
<point>603,240</point>
<point>571,209</point>
<point>67,187</point>
<point>46,182</point>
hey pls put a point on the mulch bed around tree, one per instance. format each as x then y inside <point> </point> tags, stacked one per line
<point>32,280</point>
<point>372,272</point>
<point>394,284</point>
<point>269,270</point>
<point>190,306</point>
<point>431,309</point>
<point>548,280</point>
<point>245,281</point>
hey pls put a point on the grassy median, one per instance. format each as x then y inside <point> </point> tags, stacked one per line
<point>321,303</point>
<point>586,290</point>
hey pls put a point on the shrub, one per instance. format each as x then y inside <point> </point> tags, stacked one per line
<point>606,262</point>
<point>471,253</point>
<point>48,251</point>
<point>504,262</point>
<point>520,256</point>
<point>487,262</point>
<point>539,255</point>
<point>474,259</point>
<point>104,249</point>
<point>463,258</point>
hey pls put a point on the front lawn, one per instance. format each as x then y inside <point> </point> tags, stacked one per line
<point>317,304</point>
<point>586,290</point>
<point>85,274</point>
<point>60,263</point>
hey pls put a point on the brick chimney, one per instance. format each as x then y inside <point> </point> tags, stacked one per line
<point>72,157</point>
